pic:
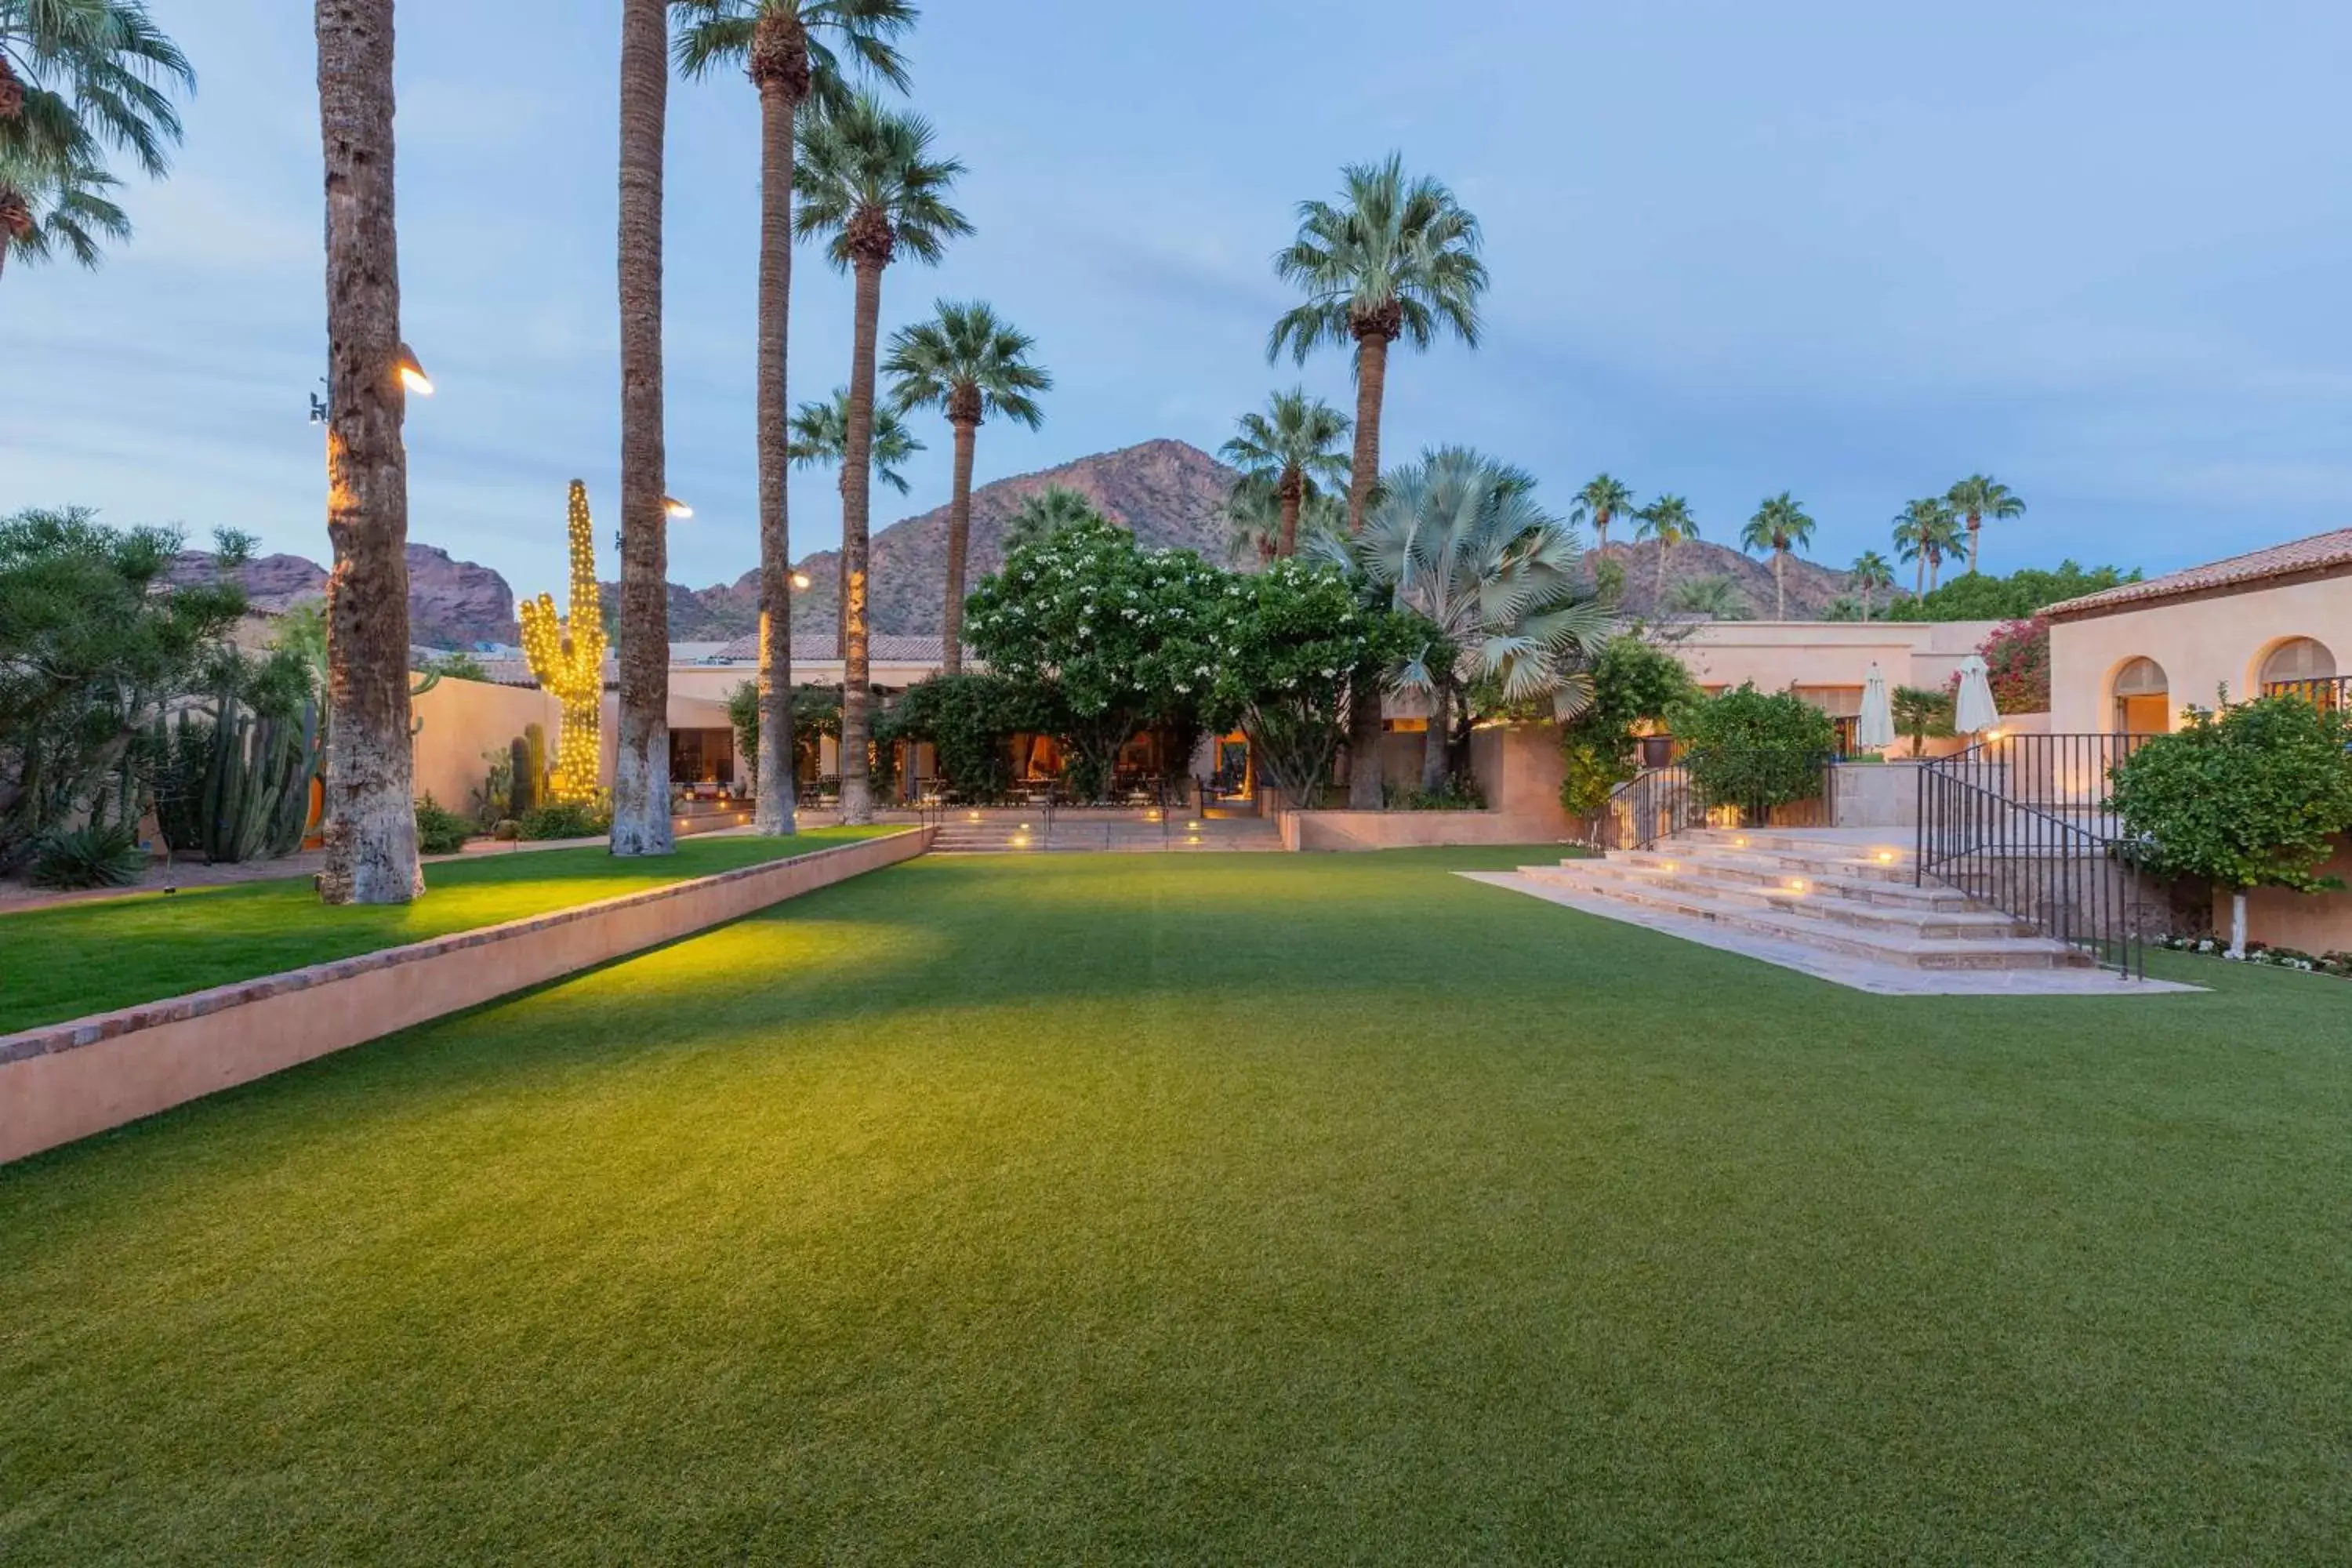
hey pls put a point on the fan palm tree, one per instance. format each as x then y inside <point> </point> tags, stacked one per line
<point>1979,497</point>
<point>796,53</point>
<point>1668,520</point>
<point>1870,575</point>
<point>970,365</point>
<point>1926,532</point>
<point>1458,540</point>
<point>1045,514</point>
<point>1289,448</point>
<point>1394,258</point>
<point>1717,598</point>
<point>819,438</point>
<point>1252,518</point>
<point>1601,502</point>
<point>76,78</point>
<point>877,192</point>
<point>1782,526</point>
<point>370,817</point>
<point>641,819</point>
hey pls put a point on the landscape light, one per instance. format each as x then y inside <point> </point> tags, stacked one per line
<point>412,373</point>
<point>800,579</point>
<point>677,508</point>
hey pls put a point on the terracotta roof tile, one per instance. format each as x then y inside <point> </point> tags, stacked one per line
<point>2319,552</point>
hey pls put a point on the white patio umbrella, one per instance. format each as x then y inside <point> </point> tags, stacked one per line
<point>1875,729</point>
<point>1973,712</point>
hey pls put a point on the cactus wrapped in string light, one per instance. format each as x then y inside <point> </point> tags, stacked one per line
<point>567,657</point>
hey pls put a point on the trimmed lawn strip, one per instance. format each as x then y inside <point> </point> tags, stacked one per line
<point>78,959</point>
<point>1217,1208</point>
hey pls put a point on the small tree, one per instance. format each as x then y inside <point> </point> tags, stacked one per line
<point>1633,681</point>
<point>2247,797</point>
<point>1754,750</point>
<point>1287,656</point>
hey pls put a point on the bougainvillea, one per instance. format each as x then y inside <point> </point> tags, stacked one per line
<point>2017,664</point>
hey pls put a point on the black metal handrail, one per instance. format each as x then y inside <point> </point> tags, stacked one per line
<point>2327,693</point>
<point>1658,802</point>
<point>2024,825</point>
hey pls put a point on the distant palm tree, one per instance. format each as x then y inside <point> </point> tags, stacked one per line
<point>1718,598</point>
<point>1668,520</point>
<point>1252,518</point>
<point>1045,514</point>
<point>1870,575</point>
<point>77,77</point>
<point>1394,258</point>
<point>969,364</point>
<point>793,51</point>
<point>1289,449</point>
<point>371,815</point>
<point>1460,541</point>
<point>1926,532</point>
<point>1601,502</point>
<point>819,438</point>
<point>874,186</point>
<point>1782,526</point>
<point>1979,497</point>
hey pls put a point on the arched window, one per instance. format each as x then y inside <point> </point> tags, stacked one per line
<point>2298,659</point>
<point>2143,699</point>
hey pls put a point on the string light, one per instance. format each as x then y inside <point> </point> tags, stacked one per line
<point>567,655</point>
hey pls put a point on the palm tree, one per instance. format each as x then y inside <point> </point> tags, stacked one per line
<point>1717,598</point>
<point>370,817</point>
<point>1870,575</point>
<point>874,186</point>
<point>1045,514</point>
<point>1979,497</point>
<point>1668,520</point>
<point>77,77</point>
<point>1926,531</point>
<point>1601,502</point>
<point>1459,541</point>
<point>1781,526</point>
<point>1287,449</point>
<point>1252,518</point>
<point>793,51</point>
<point>819,438</point>
<point>49,210</point>
<point>1394,258</point>
<point>641,819</point>
<point>969,364</point>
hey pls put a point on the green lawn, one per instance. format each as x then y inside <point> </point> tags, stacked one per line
<point>1219,1209</point>
<point>74,958</point>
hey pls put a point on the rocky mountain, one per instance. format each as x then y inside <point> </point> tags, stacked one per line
<point>451,603</point>
<point>1813,587</point>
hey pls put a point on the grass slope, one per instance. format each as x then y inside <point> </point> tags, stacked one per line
<point>74,958</point>
<point>1246,1208</point>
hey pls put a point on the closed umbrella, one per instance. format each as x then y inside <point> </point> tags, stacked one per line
<point>1874,730</point>
<point>1973,712</point>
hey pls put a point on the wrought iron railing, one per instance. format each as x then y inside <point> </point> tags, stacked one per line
<point>2329,694</point>
<point>1658,802</point>
<point>2023,824</point>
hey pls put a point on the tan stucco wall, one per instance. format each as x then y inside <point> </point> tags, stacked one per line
<point>144,1059</point>
<point>464,719</point>
<point>2202,644</point>
<point>1320,831</point>
<point>2315,922</point>
<point>1777,654</point>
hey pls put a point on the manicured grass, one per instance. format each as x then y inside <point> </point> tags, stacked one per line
<point>1231,1210</point>
<point>75,959</point>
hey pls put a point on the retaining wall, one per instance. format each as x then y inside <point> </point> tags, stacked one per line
<point>64,1081</point>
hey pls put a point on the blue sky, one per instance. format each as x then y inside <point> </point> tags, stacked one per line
<point>2099,250</point>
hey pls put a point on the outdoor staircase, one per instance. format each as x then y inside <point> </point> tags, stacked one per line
<point>1838,894</point>
<point>1028,830</point>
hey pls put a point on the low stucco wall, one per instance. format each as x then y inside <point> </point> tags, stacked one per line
<point>2314,922</point>
<point>70,1080</point>
<point>1315,831</point>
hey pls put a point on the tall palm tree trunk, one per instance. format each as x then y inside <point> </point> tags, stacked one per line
<point>1364,695</point>
<point>1781,584</point>
<point>1435,743</point>
<point>1976,525</point>
<point>856,496</point>
<point>1662,574</point>
<point>640,822</point>
<point>779,68</point>
<point>959,548</point>
<point>1293,491</point>
<point>1919,577</point>
<point>371,821</point>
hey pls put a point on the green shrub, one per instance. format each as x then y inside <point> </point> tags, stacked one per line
<point>1976,596</point>
<point>565,819</point>
<point>101,856</point>
<point>1459,792</point>
<point>506,830</point>
<point>440,831</point>
<point>1634,681</point>
<point>1754,750</point>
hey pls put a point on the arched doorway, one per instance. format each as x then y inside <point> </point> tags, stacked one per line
<point>2301,667</point>
<point>2143,699</point>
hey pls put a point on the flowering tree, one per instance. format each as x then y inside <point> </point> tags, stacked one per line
<point>2017,663</point>
<point>1117,637</point>
<point>1288,640</point>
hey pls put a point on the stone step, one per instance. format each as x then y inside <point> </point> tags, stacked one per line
<point>1958,922</point>
<point>1886,862</point>
<point>1872,883</point>
<point>1812,930</point>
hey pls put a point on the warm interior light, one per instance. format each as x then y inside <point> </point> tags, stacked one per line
<point>412,373</point>
<point>677,508</point>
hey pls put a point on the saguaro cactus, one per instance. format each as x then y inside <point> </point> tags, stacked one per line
<point>568,657</point>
